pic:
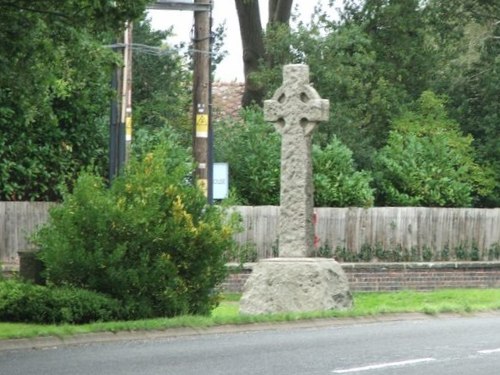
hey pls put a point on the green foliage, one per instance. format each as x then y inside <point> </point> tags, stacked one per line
<point>54,96</point>
<point>428,162</point>
<point>346,76</point>
<point>244,253</point>
<point>474,94</point>
<point>397,32</point>
<point>149,241</point>
<point>24,302</point>
<point>375,61</point>
<point>46,139</point>
<point>366,304</point>
<point>78,14</point>
<point>378,253</point>
<point>162,84</point>
<point>494,252</point>
<point>55,92</point>
<point>336,182</point>
<point>252,150</point>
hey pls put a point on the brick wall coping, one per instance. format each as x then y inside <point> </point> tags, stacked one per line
<point>420,265</point>
<point>234,267</point>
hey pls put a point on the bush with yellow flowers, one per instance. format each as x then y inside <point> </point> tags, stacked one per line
<point>149,241</point>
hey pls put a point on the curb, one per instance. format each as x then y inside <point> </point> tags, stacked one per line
<point>110,337</point>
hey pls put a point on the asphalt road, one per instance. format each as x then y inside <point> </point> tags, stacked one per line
<point>431,346</point>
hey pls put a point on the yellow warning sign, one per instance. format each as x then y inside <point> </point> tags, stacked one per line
<point>128,128</point>
<point>202,125</point>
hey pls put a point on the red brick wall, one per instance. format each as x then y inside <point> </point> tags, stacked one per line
<point>370,277</point>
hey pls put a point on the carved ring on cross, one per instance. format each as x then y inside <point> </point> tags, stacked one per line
<point>296,102</point>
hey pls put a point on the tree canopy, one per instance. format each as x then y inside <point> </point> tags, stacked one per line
<point>375,62</point>
<point>55,92</point>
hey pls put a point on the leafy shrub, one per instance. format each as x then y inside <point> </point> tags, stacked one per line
<point>252,150</point>
<point>150,240</point>
<point>336,182</point>
<point>428,162</point>
<point>24,302</point>
<point>494,252</point>
<point>377,253</point>
<point>246,253</point>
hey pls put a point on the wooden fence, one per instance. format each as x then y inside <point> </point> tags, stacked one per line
<point>416,228</point>
<point>18,220</point>
<point>348,228</point>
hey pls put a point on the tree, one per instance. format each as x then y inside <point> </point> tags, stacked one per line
<point>53,109</point>
<point>54,91</point>
<point>397,31</point>
<point>428,162</point>
<point>344,69</point>
<point>471,77</point>
<point>476,99</point>
<point>252,38</point>
<point>161,92</point>
<point>81,13</point>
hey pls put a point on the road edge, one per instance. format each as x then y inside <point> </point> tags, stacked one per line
<point>171,333</point>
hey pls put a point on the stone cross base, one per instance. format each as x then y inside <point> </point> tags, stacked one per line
<point>295,285</point>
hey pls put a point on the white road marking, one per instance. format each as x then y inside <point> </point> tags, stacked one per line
<point>489,351</point>
<point>384,365</point>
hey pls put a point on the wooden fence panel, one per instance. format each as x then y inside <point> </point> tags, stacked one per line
<point>390,227</point>
<point>18,220</point>
<point>350,228</point>
<point>260,228</point>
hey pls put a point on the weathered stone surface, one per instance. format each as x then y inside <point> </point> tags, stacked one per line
<point>295,110</point>
<point>296,285</point>
<point>294,282</point>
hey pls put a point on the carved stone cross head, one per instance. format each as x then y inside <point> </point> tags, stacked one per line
<point>296,102</point>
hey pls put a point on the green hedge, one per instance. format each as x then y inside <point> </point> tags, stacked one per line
<point>25,302</point>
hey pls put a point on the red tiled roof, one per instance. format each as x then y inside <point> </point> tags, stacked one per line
<point>226,99</point>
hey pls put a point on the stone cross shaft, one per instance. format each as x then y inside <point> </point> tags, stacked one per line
<point>295,109</point>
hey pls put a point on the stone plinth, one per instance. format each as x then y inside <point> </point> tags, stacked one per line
<point>295,285</point>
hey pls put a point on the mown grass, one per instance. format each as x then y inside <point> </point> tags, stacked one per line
<point>462,301</point>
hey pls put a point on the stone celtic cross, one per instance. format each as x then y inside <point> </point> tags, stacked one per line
<point>295,109</point>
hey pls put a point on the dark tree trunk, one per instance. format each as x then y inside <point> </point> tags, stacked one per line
<point>252,40</point>
<point>280,11</point>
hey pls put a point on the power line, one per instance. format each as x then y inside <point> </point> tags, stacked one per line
<point>156,51</point>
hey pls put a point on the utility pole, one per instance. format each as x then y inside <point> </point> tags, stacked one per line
<point>202,128</point>
<point>126,114</point>
<point>121,108</point>
<point>116,129</point>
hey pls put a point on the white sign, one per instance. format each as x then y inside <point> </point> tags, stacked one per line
<point>220,183</point>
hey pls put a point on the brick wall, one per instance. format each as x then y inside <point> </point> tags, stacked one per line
<point>370,277</point>
<point>237,277</point>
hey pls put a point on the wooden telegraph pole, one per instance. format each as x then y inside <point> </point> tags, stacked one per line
<point>121,108</point>
<point>121,114</point>
<point>201,98</point>
<point>126,113</point>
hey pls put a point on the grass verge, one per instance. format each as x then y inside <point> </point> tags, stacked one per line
<point>462,301</point>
